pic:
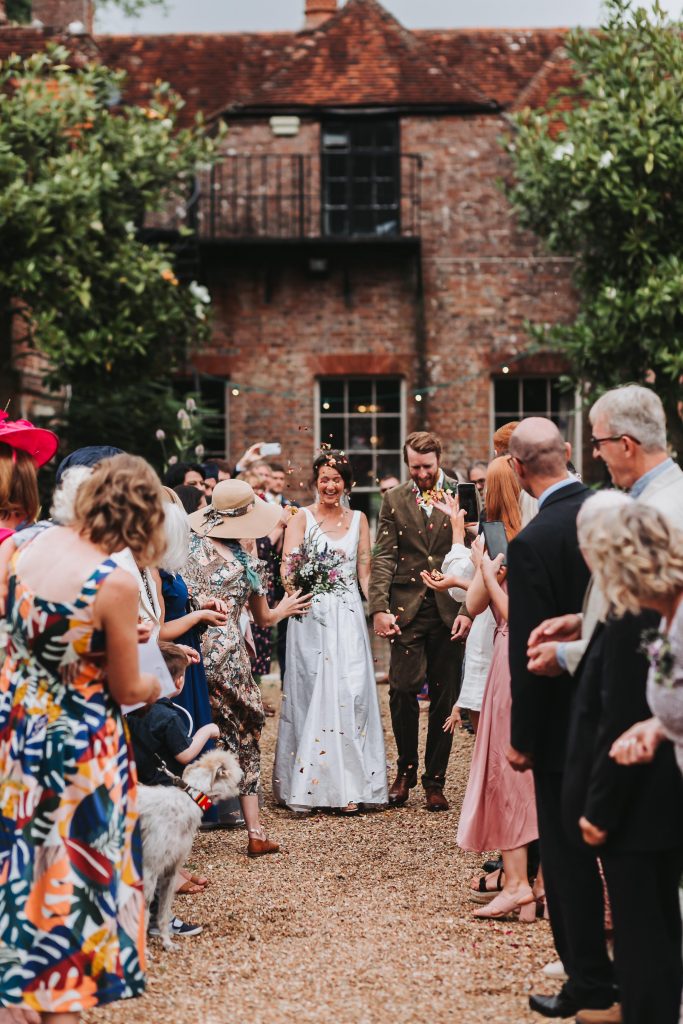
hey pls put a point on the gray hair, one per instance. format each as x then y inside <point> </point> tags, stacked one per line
<point>635,411</point>
<point>177,531</point>
<point>594,515</point>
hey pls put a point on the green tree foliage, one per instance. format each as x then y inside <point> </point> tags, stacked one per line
<point>79,175</point>
<point>603,181</point>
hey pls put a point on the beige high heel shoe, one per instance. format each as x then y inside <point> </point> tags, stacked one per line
<point>505,906</point>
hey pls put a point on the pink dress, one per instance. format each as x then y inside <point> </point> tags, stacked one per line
<point>499,809</point>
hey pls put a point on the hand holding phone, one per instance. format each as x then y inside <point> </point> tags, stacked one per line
<point>496,540</point>
<point>468,499</point>
<point>271,448</point>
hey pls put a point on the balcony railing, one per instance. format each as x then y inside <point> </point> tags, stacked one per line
<point>251,197</point>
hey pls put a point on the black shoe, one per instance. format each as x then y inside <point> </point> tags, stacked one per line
<point>554,1006</point>
<point>492,865</point>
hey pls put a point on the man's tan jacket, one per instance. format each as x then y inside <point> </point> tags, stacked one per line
<point>409,541</point>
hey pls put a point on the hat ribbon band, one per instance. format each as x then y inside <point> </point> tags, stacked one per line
<point>214,516</point>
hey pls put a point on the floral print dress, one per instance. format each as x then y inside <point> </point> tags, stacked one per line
<point>234,694</point>
<point>71,897</point>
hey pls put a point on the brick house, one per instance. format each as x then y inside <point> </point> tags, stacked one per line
<point>367,273</point>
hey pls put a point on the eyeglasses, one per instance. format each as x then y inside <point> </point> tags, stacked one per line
<point>597,441</point>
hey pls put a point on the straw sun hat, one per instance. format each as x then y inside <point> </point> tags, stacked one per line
<point>235,513</point>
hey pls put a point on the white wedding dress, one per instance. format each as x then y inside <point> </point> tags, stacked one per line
<point>330,745</point>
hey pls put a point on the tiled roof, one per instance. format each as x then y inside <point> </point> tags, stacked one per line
<point>21,40</point>
<point>209,71</point>
<point>553,75</point>
<point>363,57</point>
<point>501,62</point>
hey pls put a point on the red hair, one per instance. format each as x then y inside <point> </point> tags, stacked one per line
<point>502,496</point>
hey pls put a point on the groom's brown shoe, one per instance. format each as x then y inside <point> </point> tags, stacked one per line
<point>434,799</point>
<point>400,791</point>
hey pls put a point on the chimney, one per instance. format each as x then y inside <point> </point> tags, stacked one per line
<point>58,15</point>
<point>318,12</point>
<point>3,13</point>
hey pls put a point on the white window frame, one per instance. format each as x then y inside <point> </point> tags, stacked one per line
<point>346,415</point>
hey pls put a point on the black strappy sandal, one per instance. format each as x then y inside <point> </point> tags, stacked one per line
<point>484,895</point>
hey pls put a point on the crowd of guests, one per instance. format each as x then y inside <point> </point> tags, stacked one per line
<point>578,707</point>
<point>564,650</point>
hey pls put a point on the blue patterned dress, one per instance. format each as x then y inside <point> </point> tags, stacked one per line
<point>71,897</point>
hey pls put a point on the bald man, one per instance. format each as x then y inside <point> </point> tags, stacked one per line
<point>546,571</point>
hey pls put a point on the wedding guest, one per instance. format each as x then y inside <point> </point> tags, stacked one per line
<point>501,443</point>
<point>387,483</point>
<point>220,566</point>
<point>276,484</point>
<point>657,583</point>
<point>412,533</point>
<point>23,449</point>
<point>188,474</point>
<point>225,469</point>
<point>73,645</point>
<point>210,476</point>
<point>632,816</point>
<point>499,810</point>
<point>330,748</point>
<point>547,577</point>
<point>191,497</point>
<point>629,436</point>
<point>476,474</point>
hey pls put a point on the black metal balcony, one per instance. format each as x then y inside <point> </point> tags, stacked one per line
<point>286,198</point>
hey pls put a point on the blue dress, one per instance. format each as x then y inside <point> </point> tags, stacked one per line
<point>194,696</point>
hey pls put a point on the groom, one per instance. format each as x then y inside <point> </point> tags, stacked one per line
<point>413,535</point>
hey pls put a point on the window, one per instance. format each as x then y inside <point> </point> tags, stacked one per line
<point>364,417</point>
<point>361,177</point>
<point>517,397</point>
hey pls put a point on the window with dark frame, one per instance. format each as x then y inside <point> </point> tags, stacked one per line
<point>517,397</point>
<point>361,177</point>
<point>363,416</point>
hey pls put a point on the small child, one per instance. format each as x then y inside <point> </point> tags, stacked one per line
<point>163,730</point>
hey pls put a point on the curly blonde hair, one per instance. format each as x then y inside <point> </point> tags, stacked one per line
<point>121,506</point>
<point>635,553</point>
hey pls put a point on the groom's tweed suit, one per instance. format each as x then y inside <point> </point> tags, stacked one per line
<point>409,541</point>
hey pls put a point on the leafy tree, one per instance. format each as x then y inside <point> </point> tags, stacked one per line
<point>603,181</point>
<point>79,176</point>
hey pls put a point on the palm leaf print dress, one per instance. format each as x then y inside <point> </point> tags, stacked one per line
<point>71,899</point>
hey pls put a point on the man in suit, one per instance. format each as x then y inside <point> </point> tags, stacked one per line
<point>548,576</point>
<point>413,535</point>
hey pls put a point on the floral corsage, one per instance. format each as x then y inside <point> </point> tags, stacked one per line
<point>657,649</point>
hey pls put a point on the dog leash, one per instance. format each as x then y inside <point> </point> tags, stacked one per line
<point>201,799</point>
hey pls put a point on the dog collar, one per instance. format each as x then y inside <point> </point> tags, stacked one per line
<point>201,799</point>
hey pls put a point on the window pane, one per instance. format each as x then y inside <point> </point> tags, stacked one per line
<point>534,395</point>
<point>361,193</point>
<point>362,167</point>
<point>389,465</point>
<point>364,136</point>
<point>360,432</point>
<point>386,136</point>
<point>388,433</point>
<point>331,395</point>
<point>363,474</point>
<point>332,432</point>
<point>337,222</point>
<point>386,193</point>
<point>335,139</point>
<point>385,167</point>
<point>337,193</point>
<point>336,167</point>
<point>360,394</point>
<point>363,222</point>
<point>388,394</point>
<point>506,396</point>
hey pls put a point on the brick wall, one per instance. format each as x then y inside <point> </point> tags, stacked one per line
<point>279,325</point>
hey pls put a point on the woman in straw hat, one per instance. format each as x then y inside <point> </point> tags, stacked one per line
<point>220,567</point>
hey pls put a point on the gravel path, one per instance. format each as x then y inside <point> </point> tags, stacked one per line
<point>357,921</point>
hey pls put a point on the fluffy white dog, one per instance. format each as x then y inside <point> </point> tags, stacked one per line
<point>169,819</point>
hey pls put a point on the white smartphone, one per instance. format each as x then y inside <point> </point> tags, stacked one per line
<point>271,448</point>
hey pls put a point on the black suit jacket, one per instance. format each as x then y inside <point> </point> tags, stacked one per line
<point>641,806</point>
<point>547,576</point>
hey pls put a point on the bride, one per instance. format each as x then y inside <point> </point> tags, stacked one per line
<point>330,746</point>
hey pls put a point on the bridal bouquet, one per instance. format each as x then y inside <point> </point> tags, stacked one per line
<point>315,571</point>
